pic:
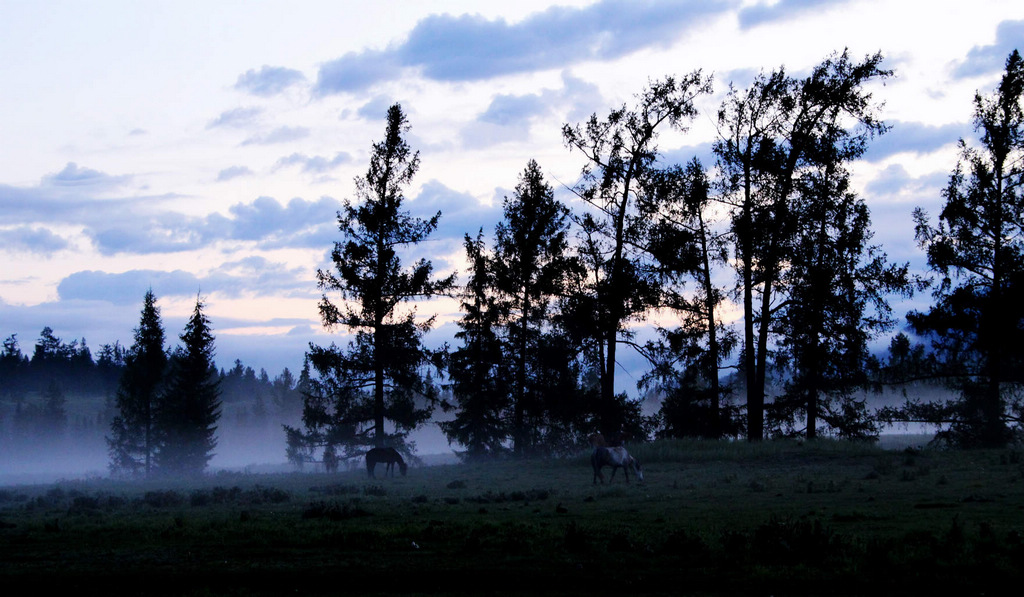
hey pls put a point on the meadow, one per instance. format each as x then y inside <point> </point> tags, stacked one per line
<point>710,518</point>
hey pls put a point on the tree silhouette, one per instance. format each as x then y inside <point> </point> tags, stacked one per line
<point>620,153</point>
<point>481,383</point>
<point>190,405</point>
<point>838,284</point>
<point>379,377</point>
<point>502,375</point>
<point>770,136</point>
<point>688,247</point>
<point>977,248</point>
<point>132,439</point>
<point>531,264</point>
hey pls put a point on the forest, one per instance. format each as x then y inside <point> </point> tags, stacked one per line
<point>773,232</point>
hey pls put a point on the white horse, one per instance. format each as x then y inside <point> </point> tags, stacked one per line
<point>615,457</point>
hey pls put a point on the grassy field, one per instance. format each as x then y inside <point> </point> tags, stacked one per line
<point>711,518</point>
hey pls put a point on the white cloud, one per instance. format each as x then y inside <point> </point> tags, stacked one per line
<point>282,134</point>
<point>233,172</point>
<point>236,118</point>
<point>268,80</point>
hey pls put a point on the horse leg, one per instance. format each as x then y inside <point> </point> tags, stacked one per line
<point>370,465</point>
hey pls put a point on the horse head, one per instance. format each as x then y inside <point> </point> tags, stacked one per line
<point>637,469</point>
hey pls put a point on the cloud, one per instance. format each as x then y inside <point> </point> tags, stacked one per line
<point>982,60</point>
<point>472,48</point>
<point>73,176</point>
<point>253,276</point>
<point>48,203</point>
<point>236,118</point>
<point>269,80</point>
<point>147,233</point>
<point>356,71</point>
<point>257,276</point>
<point>32,240</point>
<point>376,108</point>
<point>265,222</point>
<point>512,109</point>
<point>233,172</point>
<point>127,287</point>
<point>460,212</point>
<point>508,117</point>
<point>300,223</point>
<point>143,225</point>
<point>895,181</point>
<point>314,164</point>
<point>681,156</point>
<point>759,14</point>
<point>915,137</point>
<point>284,134</point>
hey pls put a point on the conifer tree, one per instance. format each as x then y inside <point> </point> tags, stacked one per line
<point>838,284</point>
<point>531,266</point>
<point>190,405</point>
<point>976,325</point>
<point>132,439</point>
<point>480,380</point>
<point>380,377</point>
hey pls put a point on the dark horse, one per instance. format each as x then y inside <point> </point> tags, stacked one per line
<point>389,456</point>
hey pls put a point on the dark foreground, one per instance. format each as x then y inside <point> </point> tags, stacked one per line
<point>710,519</point>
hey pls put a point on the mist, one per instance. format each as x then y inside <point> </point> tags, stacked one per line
<point>241,447</point>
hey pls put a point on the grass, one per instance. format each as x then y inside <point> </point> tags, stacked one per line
<point>711,518</point>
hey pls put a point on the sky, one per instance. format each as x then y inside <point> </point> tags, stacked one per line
<point>202,149</point>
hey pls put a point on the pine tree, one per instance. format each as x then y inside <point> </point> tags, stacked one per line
<point>480,381</point>
<point>380,377</point>
<point>190,406</point>
<point>132,439</point>
<point>976,325</point>
<point>837,303</point>
<point>531,265</point>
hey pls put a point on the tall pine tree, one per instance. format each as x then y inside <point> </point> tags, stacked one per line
<point>132,439</point>
<point>838,284</point>
<point>531,265</point>
<point>976,325</point>
<point>381,376</point>
<point>478,370</point>
<point>190,406</point>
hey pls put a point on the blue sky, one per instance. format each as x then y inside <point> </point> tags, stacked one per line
<point>204,148</point>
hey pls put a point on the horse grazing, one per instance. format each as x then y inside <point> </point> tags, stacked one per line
<point>615,457</point>
<point>389,456</point>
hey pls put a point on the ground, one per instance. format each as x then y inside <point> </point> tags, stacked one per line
<point>711,518</point>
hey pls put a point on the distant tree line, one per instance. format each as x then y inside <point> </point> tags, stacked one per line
<point>156,408</point>
<point>773,229</point>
